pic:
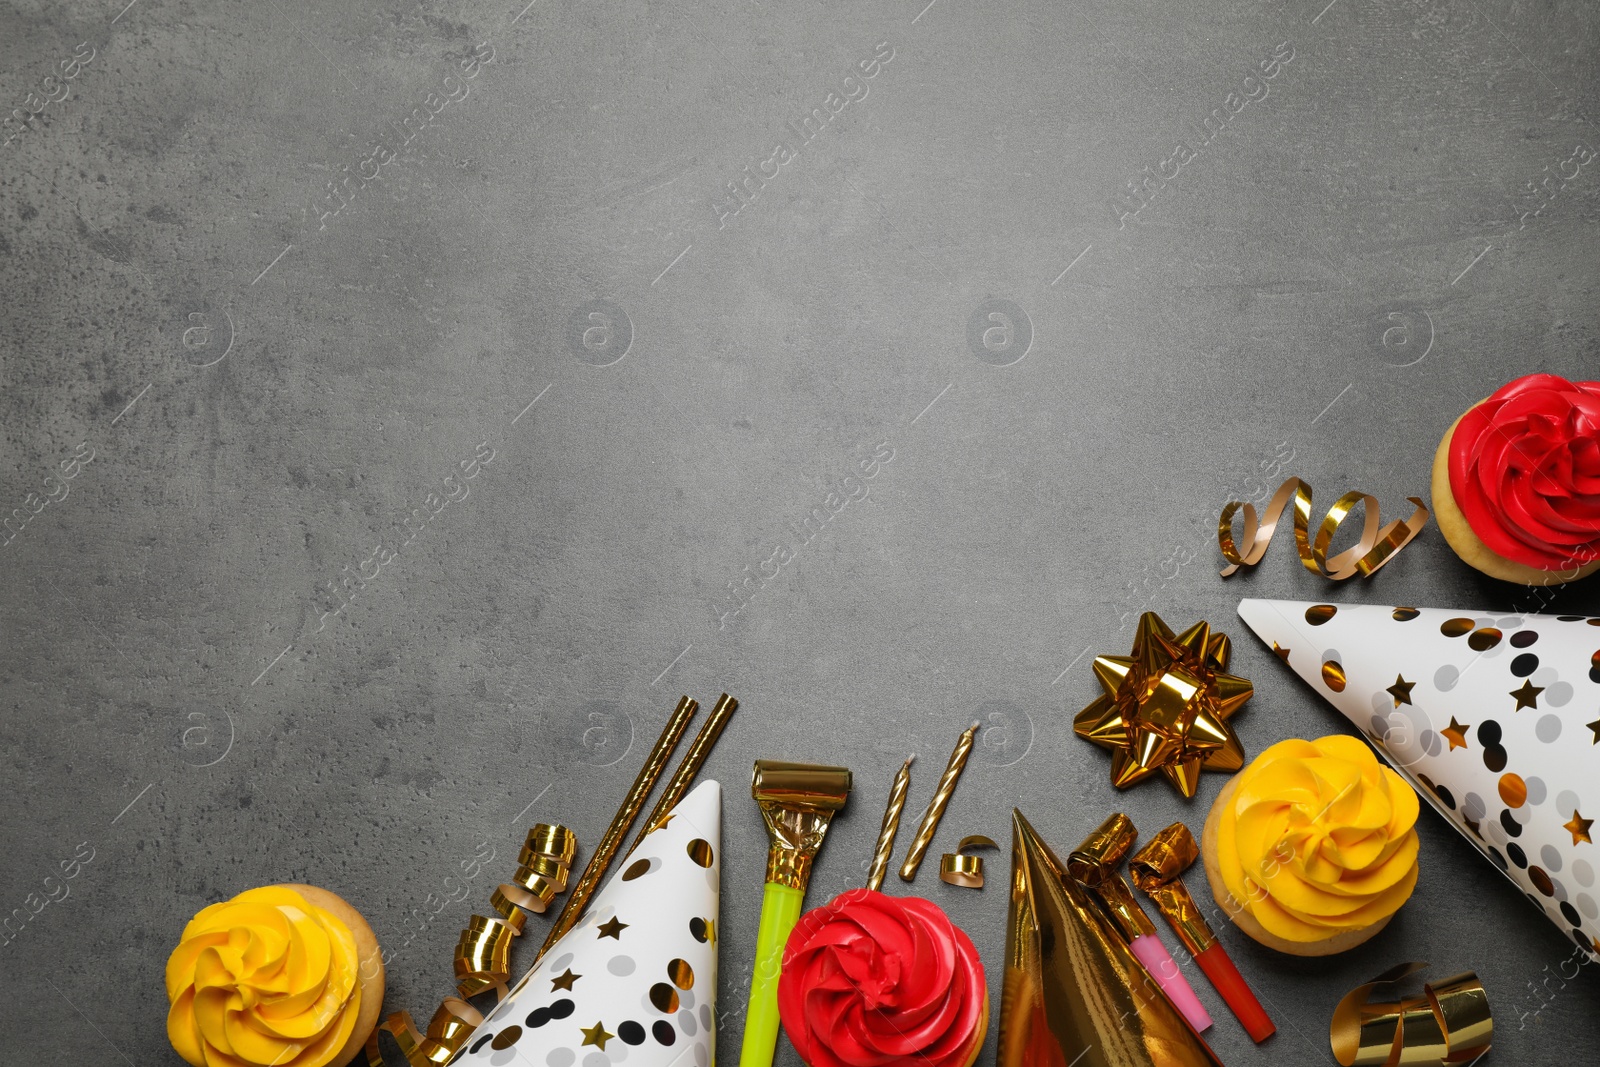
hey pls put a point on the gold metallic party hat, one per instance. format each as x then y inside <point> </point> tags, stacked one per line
<point>1073,993</point>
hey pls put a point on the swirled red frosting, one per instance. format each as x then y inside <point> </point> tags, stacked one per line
<point>1525,471</point>
<point>875,981</point>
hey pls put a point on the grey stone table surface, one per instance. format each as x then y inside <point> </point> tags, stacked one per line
<point>662,278</point>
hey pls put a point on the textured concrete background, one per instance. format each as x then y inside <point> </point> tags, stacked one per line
<point>271,388</point>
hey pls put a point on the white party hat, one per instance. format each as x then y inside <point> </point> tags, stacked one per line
<point>636,979</point>
<point>1496,719</point>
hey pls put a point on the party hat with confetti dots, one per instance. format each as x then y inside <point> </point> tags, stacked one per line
<point>636,979</point>
<point>1495,719</point>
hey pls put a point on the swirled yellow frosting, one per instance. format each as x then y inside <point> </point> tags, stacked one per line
<point>1318,838</point>
<point>264,978</point>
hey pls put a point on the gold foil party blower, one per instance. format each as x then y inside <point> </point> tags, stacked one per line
<point>797,802</point>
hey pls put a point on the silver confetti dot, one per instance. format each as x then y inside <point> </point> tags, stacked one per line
<point>1548,728</point>
<point>705,1016</point>
<point>1445,678</point>
<point>1536,791</point>
<point>1472,807</point>
<point>1551,857</point>
<point>1544,677</point>
<point>1567,800</point>
<point>597,1059</point>
<point>1557,695</point>
<point>561,964</point>
<point>1587,906</point>
<point>561,1057</point>
<point>686,1023</point>
<point>702,1055</point>
<point>621,966</point>
<point>1431,744</point>
<point>1583,872</point>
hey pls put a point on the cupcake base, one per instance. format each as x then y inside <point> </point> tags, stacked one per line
<point>1453,524</point>
<point>369,971</point>
<point>1328,946</point>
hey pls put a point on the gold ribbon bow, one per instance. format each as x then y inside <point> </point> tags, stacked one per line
<point>483,952</point>
<point>1449,1022</point>
<point>1375,548</point>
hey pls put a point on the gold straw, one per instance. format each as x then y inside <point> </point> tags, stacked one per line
<point>891,825</point>
<point>606,851</point>
<point>693,760</point>
<point>936,806</point>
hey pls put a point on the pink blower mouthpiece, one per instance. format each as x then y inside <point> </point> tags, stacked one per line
<point>1149,950</point>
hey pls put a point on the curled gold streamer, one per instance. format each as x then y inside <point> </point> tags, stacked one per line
<point>482,959</point>
<point>957,868</point>
<point>1376,546</point>
<point>1449,1022</point>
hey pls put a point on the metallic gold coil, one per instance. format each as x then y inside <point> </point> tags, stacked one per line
<point>956,868</point>
<point>552,840</point>
<point>483,955</point>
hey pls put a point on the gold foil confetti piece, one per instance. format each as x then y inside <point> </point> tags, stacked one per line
<point>1333,675</point>
<point>1375,547</point>
<point>1449,1022</point>
<point>957,868</point>
<point>941,800</point>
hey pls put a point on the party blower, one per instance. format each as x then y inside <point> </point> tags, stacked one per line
<point>1157,869</point>
<point>797,802</point>
<point>1093,864</point>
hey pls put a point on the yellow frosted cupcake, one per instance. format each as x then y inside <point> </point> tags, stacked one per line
<point>1312,847</point>
<point>284,975</point>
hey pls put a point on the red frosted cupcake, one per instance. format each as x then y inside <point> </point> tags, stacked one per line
<point>1516,482</point>
<point>875,981</point>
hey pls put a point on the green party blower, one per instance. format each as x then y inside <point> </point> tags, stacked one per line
<point>797,802</point>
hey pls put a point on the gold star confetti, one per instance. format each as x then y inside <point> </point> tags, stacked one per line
<point>1595,726</point>
<point>596,1035</point>
<point>1579,828</point>
<point>612,928</point>
<point>565,981</point>
<point>1527,696</point>
<point>1165,707</point>
<point>1281,652</point>
<point>1400,690</point>
<point>1456,733</point>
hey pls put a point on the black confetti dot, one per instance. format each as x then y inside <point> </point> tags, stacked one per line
<point>1489,732</point>
<point>1582,940</point>
<point>631,1032</point>
<point>562,1008</point>
<point>1524,638</point>
<point>537,1018</point>
<point>1499,860</point>
<point>1571,913</point>
<point>1494,758</point>
<point>1594,675</point>
<point>482,1041</point>
<point>1514,850</point>
<point>697,928</point>
<point>1524,665</point>
<point>1444,797</point>
<point>664,1032</point>
<point>1513,827</point>
<point>1569,618</point>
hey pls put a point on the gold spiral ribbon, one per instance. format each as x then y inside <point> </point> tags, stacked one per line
<point>1449,1022</point>
<point>483,952</point>
<point>1376,547</point>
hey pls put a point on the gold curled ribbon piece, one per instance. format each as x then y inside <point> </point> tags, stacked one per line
<point>1375,548</point>
<point>1449,1022</point>
<point>448,1032</point>
<point>957,868</point>
<point>482,960</point>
